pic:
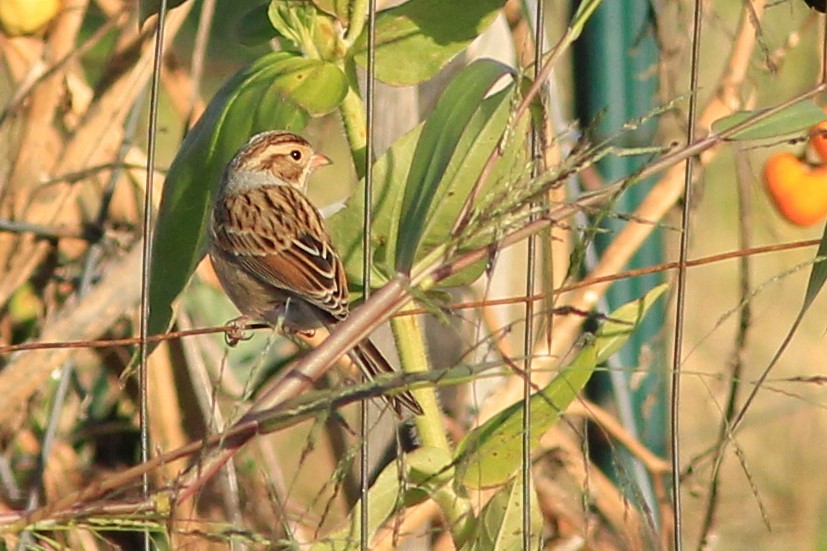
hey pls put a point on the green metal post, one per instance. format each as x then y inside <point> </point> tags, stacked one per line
<point>615,74</point>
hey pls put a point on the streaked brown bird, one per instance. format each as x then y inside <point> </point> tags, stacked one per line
<point>272,253</point>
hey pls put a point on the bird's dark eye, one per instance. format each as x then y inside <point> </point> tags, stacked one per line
<point>296,155</point>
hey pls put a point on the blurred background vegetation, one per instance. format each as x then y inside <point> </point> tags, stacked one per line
<point>72,181</point>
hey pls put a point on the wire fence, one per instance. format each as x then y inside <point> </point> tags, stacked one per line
<point>128,424</point>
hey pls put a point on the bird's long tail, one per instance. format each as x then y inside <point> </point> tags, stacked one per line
<point>372,362</point>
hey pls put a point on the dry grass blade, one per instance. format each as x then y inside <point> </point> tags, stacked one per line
<point>66,151</point>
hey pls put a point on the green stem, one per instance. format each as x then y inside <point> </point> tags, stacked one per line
<point>414,358</point>
<point>358,14</point>
<point>458,512</point>
<point>354,119</point>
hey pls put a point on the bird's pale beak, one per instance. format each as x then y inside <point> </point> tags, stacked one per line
<point>319,160</point>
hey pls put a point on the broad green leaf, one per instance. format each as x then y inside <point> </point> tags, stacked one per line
<point>795,118</point>
<point>422,181</point>
<point>417,39</point>
<point>389,174</point>
<point>450,136</point>
<point>260,97</point>
<point>315,85</point>
<point>621,323</point>
<point>492,453</point>
<point>384,497</point>
<point>500,524</point>
<point>151,7</point>
<point>327,38</point>
<point>430,468</point>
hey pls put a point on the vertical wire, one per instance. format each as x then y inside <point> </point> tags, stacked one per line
<point>367,221</point>
<point>146,251</point>
<point>528,337</point>
<point>677,352</point>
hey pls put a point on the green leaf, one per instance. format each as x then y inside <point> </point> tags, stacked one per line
<point>621,323</point>
<point>451,146</point>
<point>151,7</point>
<point>315,85</point>
<point>422,181</point>
<point>500,524</point>
<point>815,284</point>
<point>795,118</point>
<point>264,96</point>
<point>292,19</point>
<point>492,453</point>
<point>389,174</point>
<point>438,145</point>
<point>818,276</point>
<point>430,467</point>
<point>302,27</point>
<point>340,9</point>
<point>417,39</point>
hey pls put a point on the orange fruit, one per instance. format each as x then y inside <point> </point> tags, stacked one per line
<point>818,139</point>
<point>798,190</point>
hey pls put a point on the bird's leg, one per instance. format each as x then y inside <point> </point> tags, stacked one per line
<point>235,334</point>
<point>282,327</point>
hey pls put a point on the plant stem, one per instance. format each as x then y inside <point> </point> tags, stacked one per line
<point>358,12</point>
<point>354,119</point>
<point>413,355</point>
<point>458,512</point>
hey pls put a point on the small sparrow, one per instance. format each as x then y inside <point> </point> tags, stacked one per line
<point>271,251</point>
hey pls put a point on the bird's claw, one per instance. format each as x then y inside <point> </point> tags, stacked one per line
<point>289,329</point>
<point>236,332</point>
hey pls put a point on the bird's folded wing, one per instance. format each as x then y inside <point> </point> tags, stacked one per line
<point>278,237</point>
